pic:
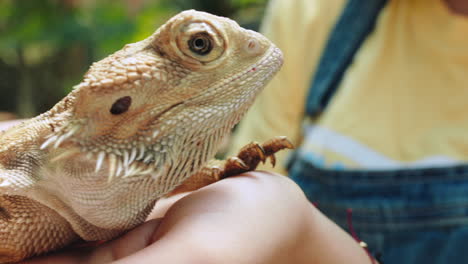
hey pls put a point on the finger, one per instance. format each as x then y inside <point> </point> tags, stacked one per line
<point>128,244</point>
<point>131,242</point>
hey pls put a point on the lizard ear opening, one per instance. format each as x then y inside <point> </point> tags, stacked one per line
<point>121,105</point>
<point>4,215</point>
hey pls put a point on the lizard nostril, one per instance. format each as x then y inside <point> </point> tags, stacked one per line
<point>253,47</point>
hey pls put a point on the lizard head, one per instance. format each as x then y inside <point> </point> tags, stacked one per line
<point>180,89</point>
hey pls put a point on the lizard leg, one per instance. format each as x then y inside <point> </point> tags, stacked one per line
<point>29,228</point>
<point>247,159</point>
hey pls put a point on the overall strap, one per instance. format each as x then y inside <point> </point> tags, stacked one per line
<point>356,22</point>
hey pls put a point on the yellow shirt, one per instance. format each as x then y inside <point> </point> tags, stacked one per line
<point>402,103</point>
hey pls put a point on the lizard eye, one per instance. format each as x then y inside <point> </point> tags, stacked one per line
<point>200,43</point>
<point>121,105</point>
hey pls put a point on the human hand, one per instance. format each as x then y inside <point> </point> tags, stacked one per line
<point>257,217</point>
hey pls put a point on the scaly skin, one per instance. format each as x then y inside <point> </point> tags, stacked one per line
<point>142,121</point>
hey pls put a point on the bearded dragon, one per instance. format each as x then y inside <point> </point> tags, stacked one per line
<point>145,122</point>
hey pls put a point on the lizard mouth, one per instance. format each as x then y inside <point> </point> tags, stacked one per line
<point>158,116</point>
<point>267,66</point>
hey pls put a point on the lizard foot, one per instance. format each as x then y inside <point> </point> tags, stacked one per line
<point>247,159</point>
<point>252,154</point>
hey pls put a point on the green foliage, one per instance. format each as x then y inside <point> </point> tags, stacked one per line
<point>47,45</point>
<point>46,27</point>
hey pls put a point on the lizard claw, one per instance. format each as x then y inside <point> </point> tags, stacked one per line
<point>261,154</point>
<point>252,154</point>
<point>276,144</point>
<point>238,163</point>
<point>272,160</point>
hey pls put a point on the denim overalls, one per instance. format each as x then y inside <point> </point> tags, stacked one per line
<point>404,215</point>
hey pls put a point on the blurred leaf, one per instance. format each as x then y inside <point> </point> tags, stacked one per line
<point>150,19</point>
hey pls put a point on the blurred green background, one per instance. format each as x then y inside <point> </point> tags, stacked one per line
<point>47,45</point>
